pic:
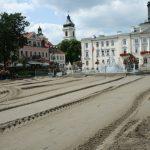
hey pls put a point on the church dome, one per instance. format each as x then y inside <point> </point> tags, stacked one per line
<point>69,23</point>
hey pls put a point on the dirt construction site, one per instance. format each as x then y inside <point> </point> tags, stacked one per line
<point>75,113</point>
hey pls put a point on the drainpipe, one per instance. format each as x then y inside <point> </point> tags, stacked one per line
<point>92,55</point>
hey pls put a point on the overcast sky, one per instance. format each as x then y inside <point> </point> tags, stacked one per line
<point>91,17</point>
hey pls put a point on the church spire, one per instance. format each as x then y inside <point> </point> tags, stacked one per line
<point>69,22</point>
<point>69,29</point>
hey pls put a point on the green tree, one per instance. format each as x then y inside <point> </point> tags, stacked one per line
<point>12,28</point>
<point>23,61</point>
<point>72,50</point>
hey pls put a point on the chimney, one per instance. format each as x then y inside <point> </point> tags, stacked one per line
<point>148,5</point>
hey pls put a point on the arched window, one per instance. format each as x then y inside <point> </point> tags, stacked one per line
<point>66,33</point>
<point>38,43</point>
<point>34,43</point>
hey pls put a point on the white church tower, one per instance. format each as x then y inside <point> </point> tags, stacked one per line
<point>69,29</point>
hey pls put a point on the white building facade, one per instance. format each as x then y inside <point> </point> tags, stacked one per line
<point>125,50</point>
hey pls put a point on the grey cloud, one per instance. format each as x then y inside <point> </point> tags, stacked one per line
<point>75,5</point>
<point>111,18</point>
<point>101,16</point>
<point>72,5</point>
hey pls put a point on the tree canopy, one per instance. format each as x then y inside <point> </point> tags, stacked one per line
<point>12,28</point>
<point>72,49</point>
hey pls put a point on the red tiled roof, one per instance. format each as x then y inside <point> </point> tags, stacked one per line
<point>49,44</point>
<point>29,34</point>
<point>56,51</point>
<point>32,48</point>
<point>59,52</point>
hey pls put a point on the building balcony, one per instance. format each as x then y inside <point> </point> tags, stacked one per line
<point>125,55</point>
<point>145,53</point>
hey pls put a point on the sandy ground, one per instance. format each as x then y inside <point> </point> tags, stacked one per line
<point>115,114</point>
<point>134,132</point>
<point>33,108</point>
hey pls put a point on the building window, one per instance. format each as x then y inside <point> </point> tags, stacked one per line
<point>87,63</point>
<point>86,54</point>
<point>97,44</point>
<point>35,53</point>
<point>73,34</point>
<point>103,61</point>
<point>113,52</point>
<point>66,33</point>
<point>144,48</point>
<point>57,57</point>
<point>38,43</point>
<point>63,57</point>
<point>54,57</point>
<point>46,54</point>
<point>107,53</point>
<point>51,57</point>
<point>97,53</point>
<point>102,43</point>
<point>124,41</point>
<point>112,42</point>
<point>136,50</point>
<point>144,40</point>
<point>21,53</point>
<point>34,44</point>
<point>107,43</point>
<point>136,41</point>
<point>103,53</point>
<point>108,61</point>
<point>29,42</point>
<point>42,54</point>
<point>145,60</point>
<point>39,54</point>
<point>86,45</point>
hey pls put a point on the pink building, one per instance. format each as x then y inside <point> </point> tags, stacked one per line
<point>40,49</point>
